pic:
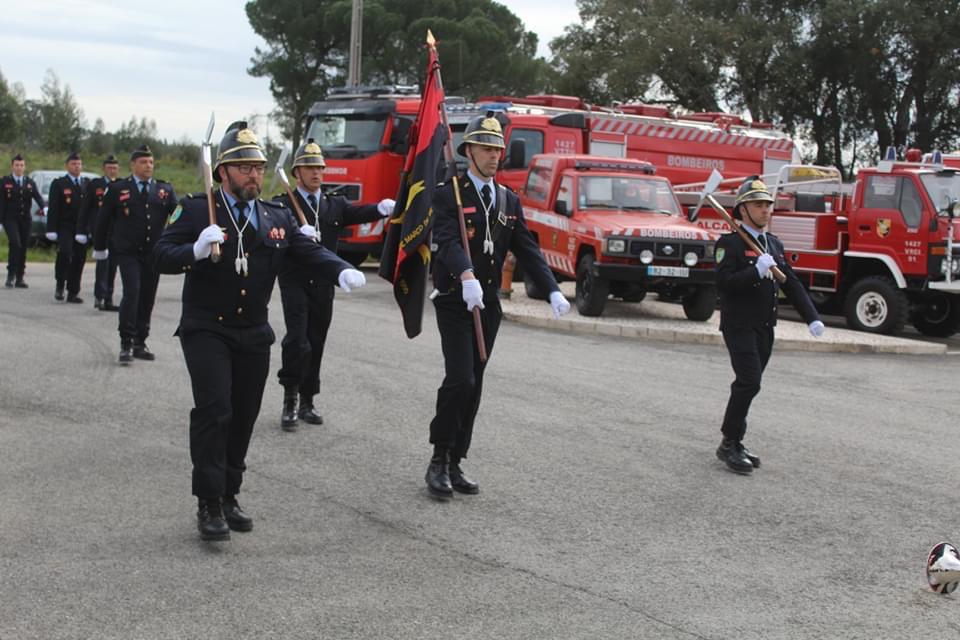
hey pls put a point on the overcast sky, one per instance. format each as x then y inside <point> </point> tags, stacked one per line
<point>172,62</point>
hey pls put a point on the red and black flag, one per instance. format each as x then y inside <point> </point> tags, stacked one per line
<point>406,250</point>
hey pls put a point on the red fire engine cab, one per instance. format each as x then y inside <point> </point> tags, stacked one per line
<point>884,250</point>
<point>363,133</point>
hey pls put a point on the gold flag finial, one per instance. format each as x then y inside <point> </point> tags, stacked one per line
<point>431,41</point>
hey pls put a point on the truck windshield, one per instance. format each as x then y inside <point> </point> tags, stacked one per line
<point>347,136</point>
<point>943,188</point>
<point>626,194</point>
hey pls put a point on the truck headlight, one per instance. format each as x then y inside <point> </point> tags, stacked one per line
<point>954,265</point>
<point>646,256</point>
<point>615,245</point>
<point>690,258</point>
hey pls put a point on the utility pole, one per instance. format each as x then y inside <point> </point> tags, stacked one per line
<point>356,44</point>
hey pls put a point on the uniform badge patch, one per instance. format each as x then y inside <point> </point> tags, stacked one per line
<point>720,253</point>
<point>175,215</point>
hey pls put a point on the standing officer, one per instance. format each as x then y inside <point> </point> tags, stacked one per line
<point>131,219</point>
<point>17,192</point>
<point>308,301</point>
<point>106,268</point>
<point>223,325</point>
<point>63,215</point>
<point>495,224</point>
<point>748,312</point>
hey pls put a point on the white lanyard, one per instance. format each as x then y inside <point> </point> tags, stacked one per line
<point>488,239</point>
<point>316,215</point>
<point>240,264</point>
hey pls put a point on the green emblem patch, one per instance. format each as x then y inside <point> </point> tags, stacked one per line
<point>720,254</point>
<point>175,215</point>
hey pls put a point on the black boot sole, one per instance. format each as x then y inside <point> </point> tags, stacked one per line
<point>215,537</point>
<point>243,527</point>
<point>437,494</point>
<point>466,489</point>
<point>743,471</point>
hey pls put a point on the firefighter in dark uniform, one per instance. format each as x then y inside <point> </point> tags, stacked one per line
<point>495,225</point>
<point>17,193</point>
<point>63,215</point>
<point>308,301</point>
<point>130,220</point>
<point>748,312</point>
<point>106,272</point>
<point>223,328</point>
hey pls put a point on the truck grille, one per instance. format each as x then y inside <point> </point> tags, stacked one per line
<point>351,192</point>
<point>668,249</point>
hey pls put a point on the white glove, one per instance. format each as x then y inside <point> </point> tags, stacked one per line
<point>309,230</point>
<point>472,294</point>
<point>351,279</point>
<point>385,207</point>
<point>204,244</point>
<point>52,236</point>
<point>764,262</point>
<point>81,238</point>
<point>101,255</point>
<point>559,304</point>
<point>816,328</point>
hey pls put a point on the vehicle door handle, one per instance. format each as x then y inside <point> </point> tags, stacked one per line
<point>864,227</point>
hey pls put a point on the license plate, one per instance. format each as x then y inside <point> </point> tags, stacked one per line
<point>670,272</point>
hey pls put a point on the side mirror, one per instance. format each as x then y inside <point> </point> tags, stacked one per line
<point>693,213</point>
<point>517,155</point>
<point>953,211</point>
<point>561,207</point>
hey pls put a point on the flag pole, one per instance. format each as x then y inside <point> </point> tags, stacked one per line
<point>451,164</point>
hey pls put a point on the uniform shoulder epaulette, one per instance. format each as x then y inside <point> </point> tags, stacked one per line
<point>274,203</point>
<point>195,196</point>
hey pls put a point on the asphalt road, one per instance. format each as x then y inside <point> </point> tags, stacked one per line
<point>603,512</point>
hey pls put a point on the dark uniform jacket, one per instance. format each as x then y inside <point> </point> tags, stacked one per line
<point>92,201</point>
<point>335,212</point>
<point>65,204</point>
<point>746,299</point>
<point>130,222</point>
<point>508,231</point>
<point>15,200</point>
<point>214,294</point>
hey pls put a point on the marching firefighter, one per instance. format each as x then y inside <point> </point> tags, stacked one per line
<point>494,224</point>
<point>223,329</point>
<point>308,300</point>
<point>106,273</point>
<point>63,215</point>
<point>748,312</point>
<point>130,220</point>
<point>17,193</point>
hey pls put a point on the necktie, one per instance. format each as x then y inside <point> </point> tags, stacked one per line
<point>312,199</point>
<point>241,212</point>
<point>762,239</point>
<point>143,187</point>
<point>485,197</point>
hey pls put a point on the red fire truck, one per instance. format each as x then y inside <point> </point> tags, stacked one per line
<point>883,250</point>
<point>363,133</point>
<point>617,229</point>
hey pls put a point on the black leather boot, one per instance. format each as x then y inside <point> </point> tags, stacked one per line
<point>288,417</point>
<point>754,460</point>
<point>210,522</point>
<point>438,476</point>
<point>9,284</point>
<point>731,453</point>
<point>234,515</point>
<point>126,352</point>
<point>306,412</point>
<point>58,293</point>
<point>460,482</point>
<point>20,284</point>
<point>141,352</point>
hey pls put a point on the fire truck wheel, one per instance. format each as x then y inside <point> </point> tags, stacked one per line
<point>355,258</point>
<point>534,292</point>
<point>876,305</point>
<point>700,304</point>
<point>938,315</point>
<point>592,291</point>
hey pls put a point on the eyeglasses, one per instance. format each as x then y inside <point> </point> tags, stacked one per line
<point>247,169</point>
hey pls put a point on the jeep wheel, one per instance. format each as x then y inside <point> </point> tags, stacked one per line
<point>700,304</point>
<point>592,291</point>
<point>534,292</point>
<point>876,305</point>
<point>938,315</point>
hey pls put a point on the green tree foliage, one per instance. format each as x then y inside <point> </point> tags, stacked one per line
<point>61,118</point>
<point>11,112</point>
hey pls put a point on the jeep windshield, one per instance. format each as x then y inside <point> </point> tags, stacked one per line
<point>943,188</point>
<point>619,193</point>
<point>349,135</point>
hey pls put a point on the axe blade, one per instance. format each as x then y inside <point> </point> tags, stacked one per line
<point>708,188</point>
<point>209,136</point>
<point>281,161</point>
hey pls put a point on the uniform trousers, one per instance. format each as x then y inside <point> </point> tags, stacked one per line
<point>228,371</point>
<point>106,275</point>
<point>307,312</point>
<point>18,235</point>
<point>458,397</point>
<point>71,256</point>
<point>139,293</point>
<point>749,349</point>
